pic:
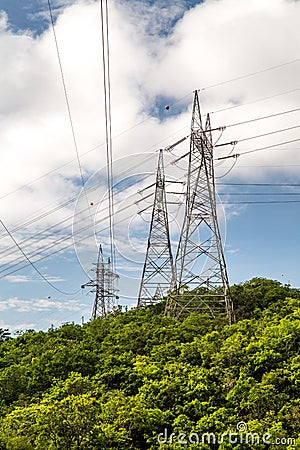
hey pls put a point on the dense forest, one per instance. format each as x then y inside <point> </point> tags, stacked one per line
<point>130,381</point>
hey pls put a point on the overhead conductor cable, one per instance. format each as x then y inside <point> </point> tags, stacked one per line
<point>108,130</point>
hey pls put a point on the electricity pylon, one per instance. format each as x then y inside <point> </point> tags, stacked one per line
<point>103,287</point>
<point>202,281</point>
<point>158,276</point>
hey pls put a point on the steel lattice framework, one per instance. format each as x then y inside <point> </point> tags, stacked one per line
<point>104,288</point>
<point>158,276</point>
<point>202,282</point>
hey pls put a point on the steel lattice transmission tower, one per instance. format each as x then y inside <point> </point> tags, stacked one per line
<point>158,276</point>
<point>200,264</point>
<point>103,287</point>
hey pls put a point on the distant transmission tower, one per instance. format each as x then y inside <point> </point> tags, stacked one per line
<point>103,287</point>
<point>202,282</point>
<point>158,276</point>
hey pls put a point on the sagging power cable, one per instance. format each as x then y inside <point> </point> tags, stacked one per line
<point>65,92</point>
<point>251,74</point>
<point>108,125</point>
<point>33,265</point>
<point>257,149</point>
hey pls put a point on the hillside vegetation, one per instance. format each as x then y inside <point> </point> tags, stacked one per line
<point>119,383</point>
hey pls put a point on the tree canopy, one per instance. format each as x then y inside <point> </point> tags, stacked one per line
<point>133,379</point>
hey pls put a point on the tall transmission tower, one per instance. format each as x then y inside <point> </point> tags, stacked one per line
<point>202,281</point>
<point>158,276</point>
<point>103,287</point>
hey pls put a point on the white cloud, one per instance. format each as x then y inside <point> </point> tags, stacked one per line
<point>21,326</point>
<point>30,279</point>
<point>150,60</point>
<point>233,251</point>
<point>213,42</point>
<point>3,21</point>
<point>19,279</point>
<point>39,304</point>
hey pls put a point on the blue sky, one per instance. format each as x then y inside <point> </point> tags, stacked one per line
<point>160,53</point>
<point>32,14</point>
<point>26,15</point>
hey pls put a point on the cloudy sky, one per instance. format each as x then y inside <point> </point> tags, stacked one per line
<point>243,57</point>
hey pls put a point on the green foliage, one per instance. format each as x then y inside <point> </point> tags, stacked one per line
<point>4,334</point>
<point>118,383</point>
<point>253,296</point>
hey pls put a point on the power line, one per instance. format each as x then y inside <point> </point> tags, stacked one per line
<point>85,153</point>
<point>105,218</point>
<point>33,265</point>
<point>255,101</point>
<point>267,147</point>
<point>126,130</point>
<point>64,204</point>
<point>259,193</point>
<point>65,238</point>
<point>107,110</point>
<point>250,74</point>
<point>60,240</point>
<point>126,218</point>
<point>120,221</point>
<point>44,175</point>
<point>65,92</point>
<point>258,136</point>
<point>115,137</point>
<point>229,170</point>
<point>263,117</point>
<point>258,184</point>
<point>43,216</point>
<point>68,245</point>
<point>259,202</point>
<point>246,166</point>
<point>257,149</point>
